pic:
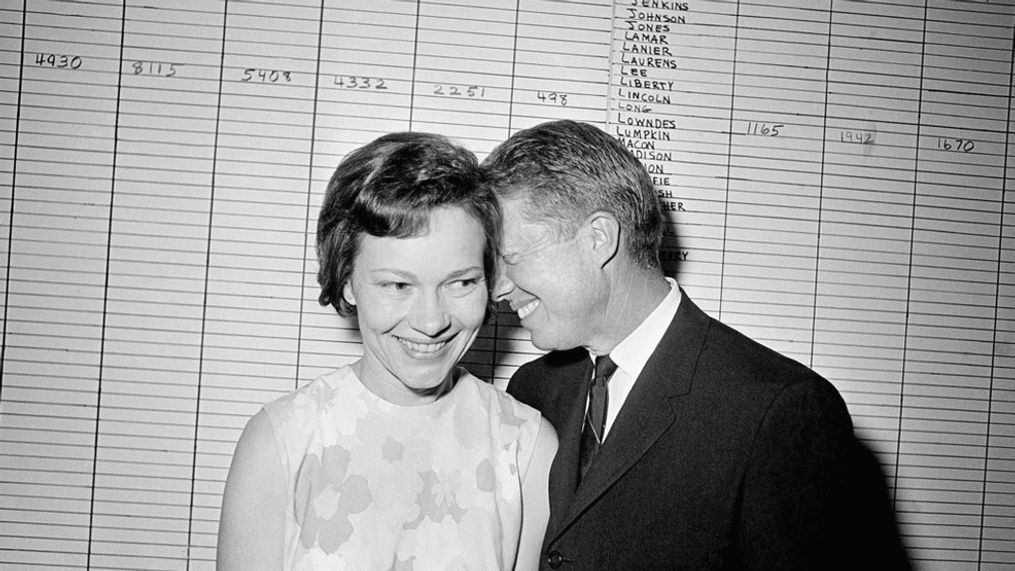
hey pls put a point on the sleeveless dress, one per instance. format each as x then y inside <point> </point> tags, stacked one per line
<point>374,485</point>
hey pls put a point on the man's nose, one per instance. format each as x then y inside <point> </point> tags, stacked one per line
<point>502,285</point>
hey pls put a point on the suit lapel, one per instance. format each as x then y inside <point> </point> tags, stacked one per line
<point>644,417</point>
<point>571,402</point>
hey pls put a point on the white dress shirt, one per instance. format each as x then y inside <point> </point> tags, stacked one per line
<point>633,352</point>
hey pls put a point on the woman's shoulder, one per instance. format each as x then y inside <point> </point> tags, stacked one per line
<point>510,410</point>
<point>310,401</point>
<point>514,421</point>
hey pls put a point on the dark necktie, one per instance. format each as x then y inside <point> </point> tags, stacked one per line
<point>595,416</point>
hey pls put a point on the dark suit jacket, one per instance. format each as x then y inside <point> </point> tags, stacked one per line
<point>726,455</point>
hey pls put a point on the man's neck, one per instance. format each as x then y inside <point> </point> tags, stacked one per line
<point>634,294</point>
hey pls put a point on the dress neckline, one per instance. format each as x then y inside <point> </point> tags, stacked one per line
<point>426,409</point>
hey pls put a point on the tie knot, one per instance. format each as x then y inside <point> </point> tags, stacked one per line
<point>605,367</point>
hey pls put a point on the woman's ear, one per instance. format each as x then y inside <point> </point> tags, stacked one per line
<point>605,231</point>
<point>347,294</point>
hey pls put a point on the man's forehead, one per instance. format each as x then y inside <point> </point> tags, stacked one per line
<point>519,235</point>
<point>516,224</point>
<point>513,207</point>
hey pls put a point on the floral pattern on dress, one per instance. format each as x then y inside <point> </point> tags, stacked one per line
<point>325,498</point>
<point>373,485</point>
<point>437,499</point>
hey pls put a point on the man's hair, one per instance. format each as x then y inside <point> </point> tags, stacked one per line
<point>564,170</point>
<point>389,188</point>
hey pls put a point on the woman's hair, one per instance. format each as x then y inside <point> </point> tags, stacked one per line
<point>564,170</point>
<point>389,188</point>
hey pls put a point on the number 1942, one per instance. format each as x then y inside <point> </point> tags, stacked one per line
<point>857,137</point>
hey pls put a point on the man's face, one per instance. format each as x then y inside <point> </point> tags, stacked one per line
<point>547,281</point>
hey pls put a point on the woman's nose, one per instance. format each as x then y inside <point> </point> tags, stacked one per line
<point>429,316</point>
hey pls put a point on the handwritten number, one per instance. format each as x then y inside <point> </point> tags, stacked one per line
<point>552,97</point>
<point>857,137</point>
<point>764,129</point>
<point>266,75</point>
<point>955,144</point>
<point>469,91</point>
<point>58,60</point>
<point>161,69</point>
<point>359,82</point>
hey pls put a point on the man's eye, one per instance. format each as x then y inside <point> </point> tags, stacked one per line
<point>395,286</point>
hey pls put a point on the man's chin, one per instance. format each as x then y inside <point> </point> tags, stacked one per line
<point>538,341</point>
<point>545,344</point>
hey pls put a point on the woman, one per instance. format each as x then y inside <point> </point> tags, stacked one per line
<point>402,459</point>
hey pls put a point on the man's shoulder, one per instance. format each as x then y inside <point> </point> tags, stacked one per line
<point>739,351</point>
<point>554,362</point>
<point>726,359</point>
<point>539,380</point>
<point>735,363</point>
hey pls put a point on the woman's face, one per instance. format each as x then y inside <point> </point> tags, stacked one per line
<point>420,303</point>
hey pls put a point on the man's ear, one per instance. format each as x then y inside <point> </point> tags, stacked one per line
<point>605,231</point>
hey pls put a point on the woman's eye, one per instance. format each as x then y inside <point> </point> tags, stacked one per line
<point>395,286</point>
<point>464,285</point>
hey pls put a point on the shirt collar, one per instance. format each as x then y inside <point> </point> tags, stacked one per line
<point>634,351</point>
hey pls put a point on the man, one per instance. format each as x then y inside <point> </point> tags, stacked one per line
<point>703,449</point>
